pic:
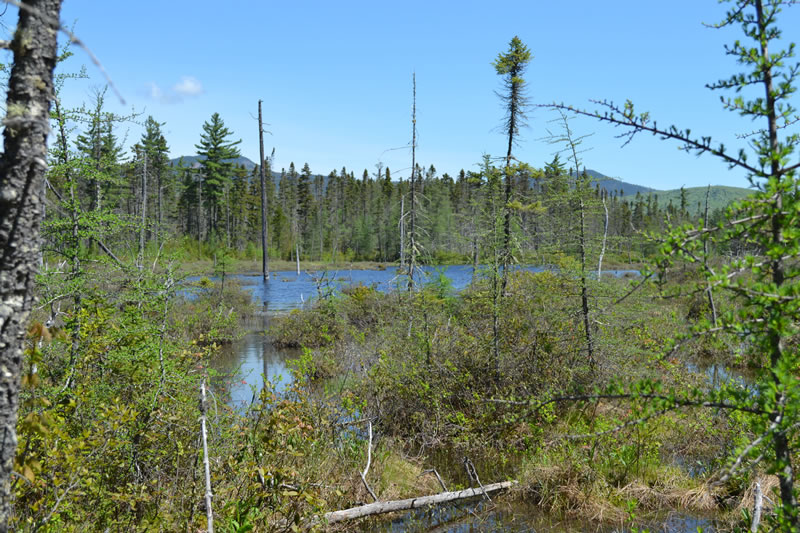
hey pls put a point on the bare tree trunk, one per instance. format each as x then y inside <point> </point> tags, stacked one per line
<point>75,243</point>
<point>264,239</point>
<point>474,256</point>
<point>402,231</point>
<point>227,194</point>
<point>584,291</point>
<point>22,167</point>
<point>709,293</point>
<point>412,233</point>
<point>200,215</point>
<point>605,236</point>
<point>160,206</point>
<point>143,229</point>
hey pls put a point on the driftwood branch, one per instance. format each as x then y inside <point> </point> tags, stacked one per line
<point>411,503</point>
<point>369,461</point>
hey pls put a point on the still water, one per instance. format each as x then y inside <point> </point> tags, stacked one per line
<point>244,363</point>
<point>285,291</point>
<point>517,517</point>
<point>245,360</point>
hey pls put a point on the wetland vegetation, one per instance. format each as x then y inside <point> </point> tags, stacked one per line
<point>521,323</point>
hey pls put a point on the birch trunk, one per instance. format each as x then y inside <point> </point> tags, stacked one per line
<point>22,168</point>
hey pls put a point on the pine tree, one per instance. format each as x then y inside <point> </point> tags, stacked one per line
<point>216,150</point>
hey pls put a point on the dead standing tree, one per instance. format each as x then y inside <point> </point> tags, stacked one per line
<point>22,168</point>
<point>264,207</point>
<point>581,191</point>
<point>413,245</point>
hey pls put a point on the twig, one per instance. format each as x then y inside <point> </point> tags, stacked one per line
<point>433,470</point>
<point>472,473</point>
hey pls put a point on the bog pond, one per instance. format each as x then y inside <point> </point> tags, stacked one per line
<point>245,362</point>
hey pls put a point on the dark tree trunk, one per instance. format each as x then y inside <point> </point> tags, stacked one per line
<point>22,167</point>
<point>264,239</point>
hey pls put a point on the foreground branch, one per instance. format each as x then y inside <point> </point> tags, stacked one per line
<point>369,461</point>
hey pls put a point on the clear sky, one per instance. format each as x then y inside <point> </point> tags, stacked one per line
<point>335,77</point>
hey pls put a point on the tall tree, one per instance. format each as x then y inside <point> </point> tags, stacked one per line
<point>27,124</point>
<point>264,206</point>
<point>511,66</point>
<point>413,244</point>
<point>216,150</point>
<point>154,145</point>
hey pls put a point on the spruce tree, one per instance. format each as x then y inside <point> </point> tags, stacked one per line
<point>155,145</point>
<point>511,66</point>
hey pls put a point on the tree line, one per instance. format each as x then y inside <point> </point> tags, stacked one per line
<point>142,198</point>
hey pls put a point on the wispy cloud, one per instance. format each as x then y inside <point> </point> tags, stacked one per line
<point>187,87</point>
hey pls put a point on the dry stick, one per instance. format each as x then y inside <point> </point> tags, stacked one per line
<point>438,477</point>
<point>209,512</point>
<point>757,508</point>
<point>472,474</point>
<point>369,460</point>
<point>142,230</point>
<point>705,261</point>
<point>605,237</point>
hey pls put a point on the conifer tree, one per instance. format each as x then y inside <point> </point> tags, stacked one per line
<point>155,145</point>
<point>511,66</point>
<point>216,150</point>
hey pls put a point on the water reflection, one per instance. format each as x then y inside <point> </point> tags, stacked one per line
<point>244,363</point>
<point>476,515</point>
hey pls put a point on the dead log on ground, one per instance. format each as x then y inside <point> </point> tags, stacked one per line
<point>412,503</point>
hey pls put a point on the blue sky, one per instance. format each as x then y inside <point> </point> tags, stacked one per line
<point>335,77</point>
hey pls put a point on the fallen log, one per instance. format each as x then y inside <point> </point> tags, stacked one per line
<point>411,503</point>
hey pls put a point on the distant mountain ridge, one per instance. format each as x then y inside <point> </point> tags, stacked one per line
<point>194,161</point>
<point>719,197</point>
<point>612,185</point>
